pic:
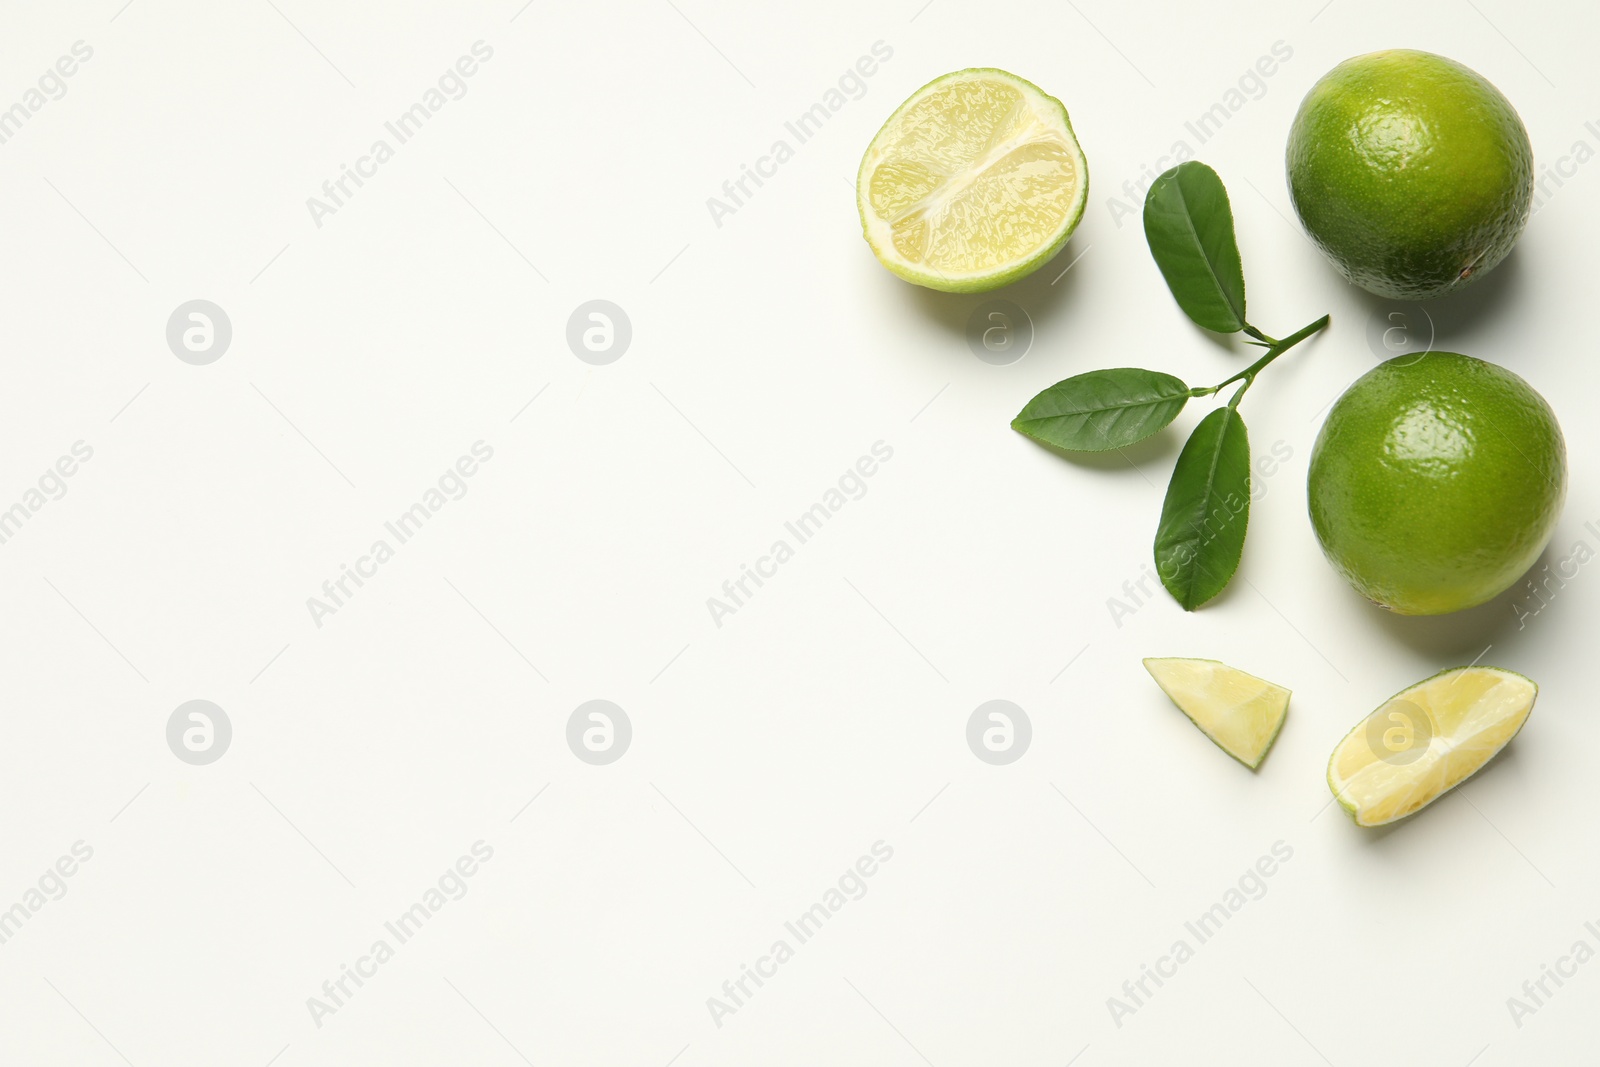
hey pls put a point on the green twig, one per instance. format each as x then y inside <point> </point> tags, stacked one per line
<point>1277,348</point>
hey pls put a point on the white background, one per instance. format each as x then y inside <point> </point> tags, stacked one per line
<point>829,712</point>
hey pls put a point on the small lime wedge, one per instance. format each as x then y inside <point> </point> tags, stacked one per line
<point>1241,713</point>
<point>1423,742</point>
<point>974,182</point>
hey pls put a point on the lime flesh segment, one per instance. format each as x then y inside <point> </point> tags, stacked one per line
<point>1241,713</point>
<point>974,182</point>
<point>1426,740</point>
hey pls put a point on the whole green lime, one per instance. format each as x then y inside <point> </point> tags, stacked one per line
<point>1436,482</point>
<point>1412,172</point>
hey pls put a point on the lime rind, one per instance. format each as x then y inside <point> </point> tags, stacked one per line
<point>1412,172</point>
<point>1436,481</point>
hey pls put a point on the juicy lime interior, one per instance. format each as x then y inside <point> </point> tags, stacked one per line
<point>1427,740</point>
<point>1238,711</point>
<point>975,181</point>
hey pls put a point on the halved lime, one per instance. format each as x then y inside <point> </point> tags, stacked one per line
<point>1241,713</point>
<point>1426,740</point>
<point>974,182</point>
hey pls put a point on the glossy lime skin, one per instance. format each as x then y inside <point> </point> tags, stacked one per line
<point>1436,482</point>
<point>1411,172</point>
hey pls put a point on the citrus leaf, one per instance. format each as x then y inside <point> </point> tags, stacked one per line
<point>1102,409</point>
<point>1203,519</point>
<point>1189,226</point>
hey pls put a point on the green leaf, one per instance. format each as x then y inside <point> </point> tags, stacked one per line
<point>1203,519</point>
<point>1103,409</point>
<point>1189,226</point>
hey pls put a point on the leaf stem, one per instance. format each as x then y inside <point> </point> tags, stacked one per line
<point>1278,348</point>
<point>1238,394</point>
<point>1258,335</point>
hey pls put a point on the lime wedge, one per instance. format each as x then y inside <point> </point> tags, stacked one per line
<point>1241,713</point>
<point>1425,741</point>
<point>974,182</point>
